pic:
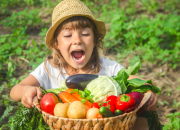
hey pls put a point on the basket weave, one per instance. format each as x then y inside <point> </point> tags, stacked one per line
<point>121,122</point>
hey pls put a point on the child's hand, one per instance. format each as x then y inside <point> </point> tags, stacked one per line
<point>28,94</point>
<point>152,103</point>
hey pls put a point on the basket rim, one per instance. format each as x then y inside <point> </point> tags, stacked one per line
<point>113,117</point>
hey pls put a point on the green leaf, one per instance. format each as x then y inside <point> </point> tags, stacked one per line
<point>176,123</point>
<point>139,82</point>
<point>18,50</point>
<point>83,100</point>
<point>141,89</point>
<point>132,70</point>
<point>87,92</point>
<point>136,82</point>
<point>123,86</point>
<point>34,43</point>
<point>120,72</point>
<point>74,90</point>
<point>122,76</point>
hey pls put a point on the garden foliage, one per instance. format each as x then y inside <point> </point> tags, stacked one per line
<point>148,29</point>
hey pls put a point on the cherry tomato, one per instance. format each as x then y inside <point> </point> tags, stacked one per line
<point>112,99</point>
<point>95,105</point>
<point>110,106</point>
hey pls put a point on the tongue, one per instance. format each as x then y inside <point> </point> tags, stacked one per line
<point>77,54</point>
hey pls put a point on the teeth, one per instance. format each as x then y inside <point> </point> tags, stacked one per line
<point>78,59</point>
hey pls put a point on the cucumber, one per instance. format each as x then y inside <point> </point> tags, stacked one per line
<point>118,112</point>
<point>105,112</point>
<point>79,81</point>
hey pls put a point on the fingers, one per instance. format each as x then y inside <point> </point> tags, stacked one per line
<point>39,93</point>
<point>152,103</point>
<point>153,107</point>
<point>26,103</point>
<point>27,98</point>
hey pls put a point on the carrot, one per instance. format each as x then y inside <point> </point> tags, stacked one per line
<point>69,98</point>
<point>87,107</point>
<point>78,96</point>
<point>69,90</point>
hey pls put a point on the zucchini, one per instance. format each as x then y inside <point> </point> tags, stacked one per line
<point>118,112</point>
<point>79,81</point>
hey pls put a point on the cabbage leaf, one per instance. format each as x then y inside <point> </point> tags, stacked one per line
<point>102,87</point>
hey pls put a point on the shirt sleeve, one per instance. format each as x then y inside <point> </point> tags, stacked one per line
<point>41,75</point>
<point>111,67</point>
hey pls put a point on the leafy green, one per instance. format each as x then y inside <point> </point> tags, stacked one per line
<point>55,90</point>
<point>132,70</point>
<point>27,119</point>
<point>174,123</point>
<point>102,87</point>
<point>135,84</point>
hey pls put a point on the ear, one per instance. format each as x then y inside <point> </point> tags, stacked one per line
<point>56,46</point>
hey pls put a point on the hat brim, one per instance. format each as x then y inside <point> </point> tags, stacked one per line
<point>101,28</point>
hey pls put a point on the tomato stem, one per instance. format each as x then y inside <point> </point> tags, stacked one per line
<point>125,98</point>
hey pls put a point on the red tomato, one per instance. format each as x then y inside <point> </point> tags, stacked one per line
<point>48,103</point>
<point>112,99</point>
<point>110,106</point>
<point>95,105</point>
<point>125,103</point>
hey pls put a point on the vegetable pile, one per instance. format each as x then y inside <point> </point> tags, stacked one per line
<point>78,104</point>
<point>97,96</point>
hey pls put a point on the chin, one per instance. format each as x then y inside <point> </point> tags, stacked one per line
<point>78,67</point>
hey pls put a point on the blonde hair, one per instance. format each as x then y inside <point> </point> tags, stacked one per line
<point>75,22</point>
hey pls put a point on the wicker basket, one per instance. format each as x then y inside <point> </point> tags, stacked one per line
<point>122,122</point>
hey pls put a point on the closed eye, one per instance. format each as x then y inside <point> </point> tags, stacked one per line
<point>68,35</point>
<point>85,34</point>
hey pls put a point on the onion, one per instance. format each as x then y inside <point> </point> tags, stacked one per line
<point>138,97</point>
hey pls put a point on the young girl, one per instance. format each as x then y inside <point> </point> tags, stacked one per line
<point>73,38</point>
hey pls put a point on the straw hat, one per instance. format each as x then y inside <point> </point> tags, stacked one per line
<point>67,9</point>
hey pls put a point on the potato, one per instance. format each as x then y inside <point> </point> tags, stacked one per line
<point>61,109</point>
<point>76,110</point>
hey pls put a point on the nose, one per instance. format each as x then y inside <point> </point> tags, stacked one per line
<point>77,39</point>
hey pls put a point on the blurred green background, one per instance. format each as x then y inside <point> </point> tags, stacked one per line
<point>147,29</point>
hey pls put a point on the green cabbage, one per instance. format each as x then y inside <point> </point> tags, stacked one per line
<point>102,87</point>
<point>63,85</point>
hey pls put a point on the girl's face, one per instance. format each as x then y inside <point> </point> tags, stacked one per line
<point>76,46</point>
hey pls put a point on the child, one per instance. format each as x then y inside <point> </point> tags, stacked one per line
<point>73,39</point>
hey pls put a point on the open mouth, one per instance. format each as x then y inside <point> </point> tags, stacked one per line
<point>78,56</point>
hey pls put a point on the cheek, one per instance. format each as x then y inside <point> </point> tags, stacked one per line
<point>64,51</point>
<point>63,46</point>
<point>91,43</point>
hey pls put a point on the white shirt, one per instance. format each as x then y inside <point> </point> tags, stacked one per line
<point>109,68</point>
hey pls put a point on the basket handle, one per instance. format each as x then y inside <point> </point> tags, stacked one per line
<point>145,99</point>
<point>36,104</point>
